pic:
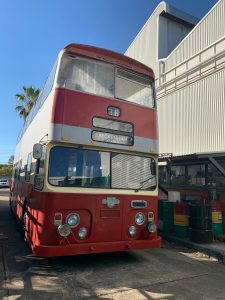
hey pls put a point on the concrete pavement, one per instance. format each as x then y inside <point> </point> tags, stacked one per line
<point>215,249</point>
<point>172,272</point>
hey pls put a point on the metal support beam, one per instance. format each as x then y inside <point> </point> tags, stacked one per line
<point>217,165</point>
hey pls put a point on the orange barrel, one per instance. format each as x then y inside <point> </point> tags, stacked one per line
<point>181,219</point>
<point>217,220</point>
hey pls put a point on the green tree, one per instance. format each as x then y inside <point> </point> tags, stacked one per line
<point>5,171</point>
<point>11,160</point>
<point>26,101</point>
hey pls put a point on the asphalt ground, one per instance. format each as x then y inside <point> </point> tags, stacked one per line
<point>171,272</point>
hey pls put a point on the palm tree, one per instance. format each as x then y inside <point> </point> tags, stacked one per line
<point>11,160</point>
<point>26,101</point>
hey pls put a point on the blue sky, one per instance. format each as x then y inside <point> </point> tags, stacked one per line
<point>33,32</point>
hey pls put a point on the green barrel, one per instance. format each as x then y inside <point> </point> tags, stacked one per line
<point>181,219</point>
<point>160,209</point>
<point>217,229</point>
<point>181,231</point>
<point>160,214</point>
<point>168,210</point>
<point>217,219</point>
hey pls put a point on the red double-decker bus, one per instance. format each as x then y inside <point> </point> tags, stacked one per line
<point>85,169</point>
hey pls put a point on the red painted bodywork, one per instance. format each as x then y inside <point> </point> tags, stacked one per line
<point>109,57</point>
<point>68,109</point>
<point>107,227</point>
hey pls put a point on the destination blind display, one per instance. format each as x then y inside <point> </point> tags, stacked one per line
<point>112,138</point>
<point>112,131</point>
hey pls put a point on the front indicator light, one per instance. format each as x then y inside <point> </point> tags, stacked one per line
<point>151,227</point>
<point>82,233</point>
<point>64,230</point>
<point>132,230</point>
<point>73,220</point>
<point>139,218</point>
<point>57,219</point>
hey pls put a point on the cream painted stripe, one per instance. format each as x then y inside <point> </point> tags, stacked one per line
<point>99,191</point>
<point>80,135</point>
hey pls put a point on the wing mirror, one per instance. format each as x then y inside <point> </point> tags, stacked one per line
<point>37,151</point>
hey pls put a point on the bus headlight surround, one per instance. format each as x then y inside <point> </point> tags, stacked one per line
<point>139,218</point>
<point>64,230</point>
<point>151,227</point>
<point>82,233</point>
<point>73,220</point>
<point>132,231</point>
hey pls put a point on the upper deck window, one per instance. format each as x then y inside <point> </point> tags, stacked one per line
<point>103,79</point>
<point>133,88</point>
<point>87,76</point>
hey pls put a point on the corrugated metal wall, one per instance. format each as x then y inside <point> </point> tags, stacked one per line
<point>191,85</point>
<point>158,37</point>
<point>192,119</point>
<point>191,95</point>
<point>144,47</point>
<point>210,29</point>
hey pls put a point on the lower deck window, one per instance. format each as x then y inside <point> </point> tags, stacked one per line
<point>72,167</point>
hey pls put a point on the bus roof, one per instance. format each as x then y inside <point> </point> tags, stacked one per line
<point>109,56</point>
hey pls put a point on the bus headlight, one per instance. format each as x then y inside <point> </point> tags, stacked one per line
<point>132,230</point>
<point>151,227</point>
<point>64,230</point>
<point>73,220</point>
<point>139,218</point>
<point>82,233</point>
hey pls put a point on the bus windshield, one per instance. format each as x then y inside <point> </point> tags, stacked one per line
<point>103,79</point>
<point>71,167</point>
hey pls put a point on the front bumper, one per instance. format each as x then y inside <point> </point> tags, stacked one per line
<point>76,249</point>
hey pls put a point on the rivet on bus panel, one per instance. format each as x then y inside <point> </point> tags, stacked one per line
<point>58,219</point>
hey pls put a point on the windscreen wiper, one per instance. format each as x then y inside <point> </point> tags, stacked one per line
<point>143,182</point>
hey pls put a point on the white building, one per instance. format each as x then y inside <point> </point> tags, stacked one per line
<point>190,75</point>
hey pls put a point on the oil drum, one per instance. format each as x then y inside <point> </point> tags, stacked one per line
<point>181,219</point>
<point>160,214</point>
<point>200,223</point>
<point>217,220</point>
<point>168,224</point>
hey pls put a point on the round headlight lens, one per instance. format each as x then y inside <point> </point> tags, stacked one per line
<point>82,233</point>
<point>139,218</point>
<point>152,227</point>
<point>64,230</point>
<point>132,230</point>
<point>73,220</point>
